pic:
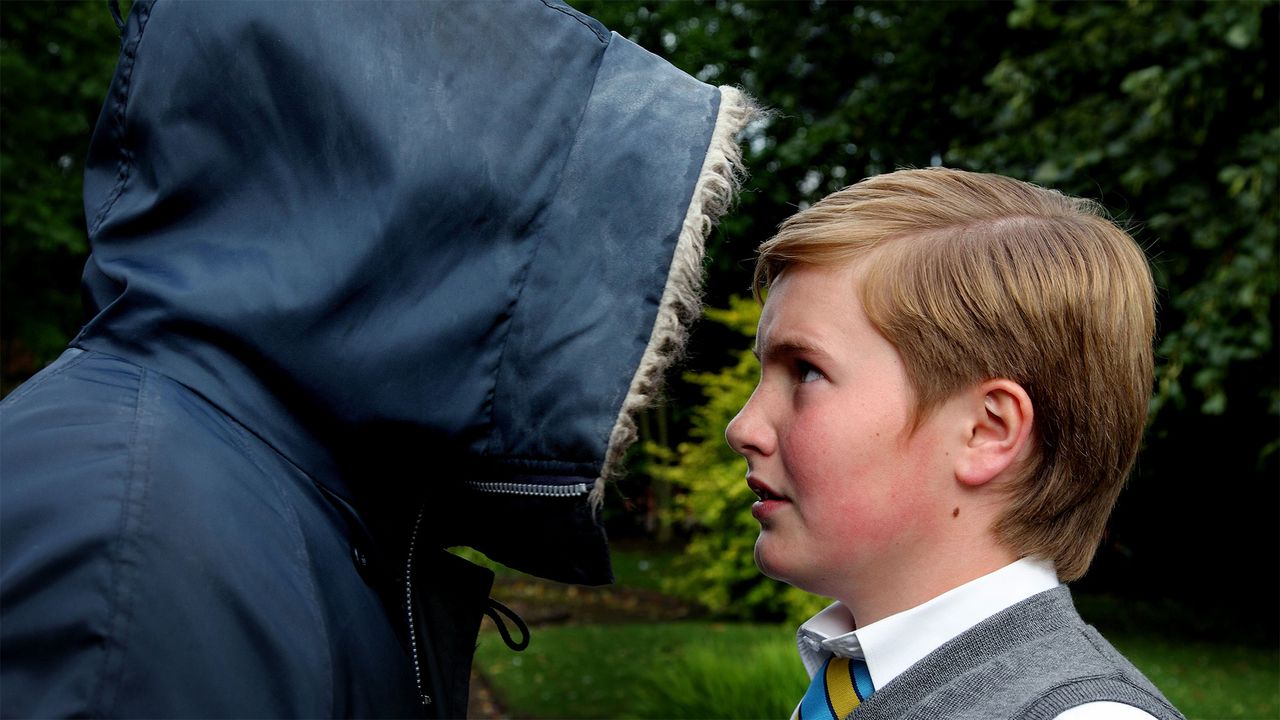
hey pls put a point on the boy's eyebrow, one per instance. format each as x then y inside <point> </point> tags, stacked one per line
<point>787,346</point>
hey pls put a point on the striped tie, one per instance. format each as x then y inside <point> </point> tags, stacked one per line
<point>839,687</point>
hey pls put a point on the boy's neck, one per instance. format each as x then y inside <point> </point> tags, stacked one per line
<point>893,592</point>
<point>959,548</point>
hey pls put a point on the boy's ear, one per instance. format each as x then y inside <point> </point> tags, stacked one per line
<point>1000,420</point>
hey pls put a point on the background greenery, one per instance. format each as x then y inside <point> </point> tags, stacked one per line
<point>1165,112</point>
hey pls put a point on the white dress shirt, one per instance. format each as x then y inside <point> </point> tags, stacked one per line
<point>892,645</point>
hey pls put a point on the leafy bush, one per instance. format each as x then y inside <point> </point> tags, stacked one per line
<point>712,500</point>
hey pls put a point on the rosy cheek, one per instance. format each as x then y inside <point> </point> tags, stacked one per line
<point>812,463</point>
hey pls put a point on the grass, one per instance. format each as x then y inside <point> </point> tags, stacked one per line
<point>1208,680</point>
<point>651,670</point>
<point>719,670</point>
<point>1206,663</point>
<point>762,679</point>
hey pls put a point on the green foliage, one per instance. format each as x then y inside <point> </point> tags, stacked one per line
<point>56,61</point>
<point>718,567</point>
<point>1168,112</point>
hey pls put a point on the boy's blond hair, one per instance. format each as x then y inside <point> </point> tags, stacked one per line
<point>973,277</point>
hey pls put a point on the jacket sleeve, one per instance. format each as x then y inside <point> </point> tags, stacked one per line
<point>59,514</point>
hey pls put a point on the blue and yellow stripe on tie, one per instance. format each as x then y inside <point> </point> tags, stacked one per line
<point>836,690</point>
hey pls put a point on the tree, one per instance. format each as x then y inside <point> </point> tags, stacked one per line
<point>1178,132</point>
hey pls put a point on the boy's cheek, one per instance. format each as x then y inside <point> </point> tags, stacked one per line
<point>879,521</point>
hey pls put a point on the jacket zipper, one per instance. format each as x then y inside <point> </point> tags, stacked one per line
<point>505,488</point>
<point>408,604</point>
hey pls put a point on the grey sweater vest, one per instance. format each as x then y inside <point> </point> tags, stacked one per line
<point>1032,660</point>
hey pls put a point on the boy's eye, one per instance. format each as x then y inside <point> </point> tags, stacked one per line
<point>807,372</point>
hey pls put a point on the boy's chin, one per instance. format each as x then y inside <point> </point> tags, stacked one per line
<point>767,568</point>
<point>774,565</point>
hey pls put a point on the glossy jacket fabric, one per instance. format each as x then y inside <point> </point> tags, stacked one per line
<point>363,276</point>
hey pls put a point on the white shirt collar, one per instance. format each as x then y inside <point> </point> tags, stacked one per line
<point>897,642</point>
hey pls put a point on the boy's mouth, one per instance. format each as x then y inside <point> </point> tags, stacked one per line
<point>770,502</point>
<point>762,491</point>
<point>766,495</point>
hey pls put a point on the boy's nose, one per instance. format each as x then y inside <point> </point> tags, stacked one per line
<point>748,433</point>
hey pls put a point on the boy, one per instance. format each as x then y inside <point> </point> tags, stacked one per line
<point>954,378</point>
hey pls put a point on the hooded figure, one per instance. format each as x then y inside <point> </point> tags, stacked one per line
<point>367,281</point>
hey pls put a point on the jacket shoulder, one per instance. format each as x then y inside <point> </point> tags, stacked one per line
<point>134,579</point>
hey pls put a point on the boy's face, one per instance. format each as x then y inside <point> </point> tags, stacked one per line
<point>850,494</point>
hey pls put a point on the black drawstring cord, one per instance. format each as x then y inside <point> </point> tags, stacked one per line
<point>492,611</point>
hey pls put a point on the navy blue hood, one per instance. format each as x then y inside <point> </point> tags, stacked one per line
<point>429,252</point>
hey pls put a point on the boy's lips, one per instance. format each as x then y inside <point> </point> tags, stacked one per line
<point>762,489</point>
<point>770,499</point>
